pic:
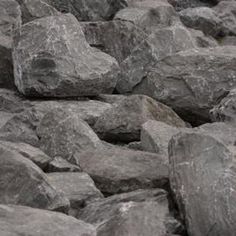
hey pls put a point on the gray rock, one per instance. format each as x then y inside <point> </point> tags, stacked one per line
<point>58,164</point>
<point>116,38</point>
<point>157,46</point>
<point>34,154</point>
<point>63,134</point>
<point>23,183</point>
<point>111,98</point>
<point>64,65</point>
<point>192,81</point>
<point>202,176</point>
<point>123,122</point>
<point>78,187</point>
<point>117,170</point>
<point>226,11</point>
<point>19,220</point>
<point>5,117</point>
<point>228,40</point>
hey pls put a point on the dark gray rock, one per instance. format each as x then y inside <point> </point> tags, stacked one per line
<point>23,183</point>
<point>117,170</point>
<point>78,187</point>
<point>123,122</point>
<point>19,220</point>
<point>202,176</point>
<point>202,18</point>
<point>157,46</point>
<point>63,134</point>
<point>64,65</point>
<point>192,81</point>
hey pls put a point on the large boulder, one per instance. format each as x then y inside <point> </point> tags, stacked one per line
<point>192,81</point>
<point>63,134</point>
<point>64,65</point>
<point>202,177</point>
<point>23,183</point>
<point>20,220</point>
<point>158,45</point>
<point>116,170</point>
<point>123,122</point>
<point>202,18</point>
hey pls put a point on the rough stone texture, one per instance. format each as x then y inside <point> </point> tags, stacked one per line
<point>78,187</point>
<point>117,170</point>
<point>226,10</point>
<point>192,81</point>
<point>19,220</point>
<point>34,154</point>
<point>116,38</point>
<point>158,45</point>
<point>123,122</point>
<point>202,18</point>
<point>34,9</point>
<point>23,183</point>
<point>63,134</point>
<point>202,176</point>
<point>64,65</point>
<point>228,40</point>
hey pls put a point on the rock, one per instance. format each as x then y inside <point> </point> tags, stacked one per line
<point>116,38</point>
<point>228,40</point>
<point>202,18</point>
<point>65,66</point>
<point>202,176</point>
<point>58,164</point>
<point>34,9</point>
<point>155,137</point>
<point>5,117</point>
<point>63,134</point>
<point>192,81</point>
<point>122,216</point>
<point>118,170</point>
<point>20,220</point>
<point>226,12</point>
<point>123,122</point>
<point>135,146</point>
<point>157,46</point>
<point>78,187</point>
<point>111,98</point>
<point>34,154</point>
<point>90,10</point>
<point>23,183</point>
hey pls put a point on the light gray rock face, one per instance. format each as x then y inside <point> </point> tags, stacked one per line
<point>64,65</point>
<point>202,177</point>
<point>23,183</point>
<point>116,38</point>
<point>226,10</point>
<point>158,45</point>
<point>79,188</point>
<point>19,220</point>
<point>202,18</point>
<point>192,81</point>
<point>123,122</point>
<point>117,170</point>
<point>34,9</point>
<point>63,134</point>
<point>10,20</point>
<point>34,154</point>
<point>90,10</point>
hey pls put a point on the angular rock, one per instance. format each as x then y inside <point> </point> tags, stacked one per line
<point>116,38</point>
<point>202,18</point>
<point>123,122</point>
<point>19,220</point>
<point>64,65</point>
<point>23,183</point>
<point>226,11</point>
<point>63,134</point>
<point>202,176</point>
<point>111,98</point>
<point>34,154</point>
<point>78,187</point>
<point>192,81</point>
<point>117,170</point>
<point>157,46</point>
